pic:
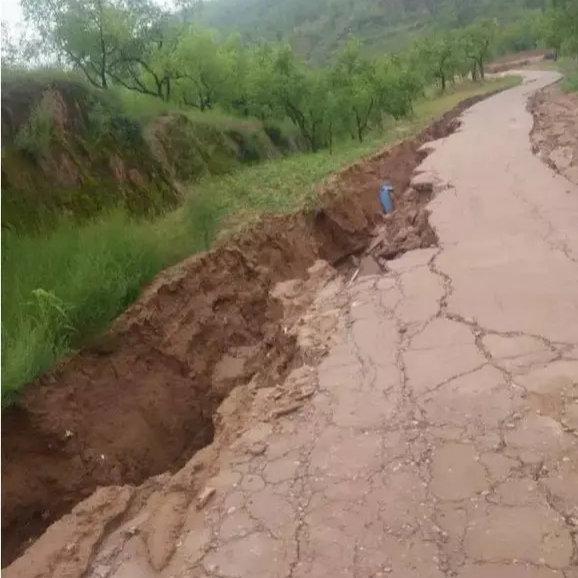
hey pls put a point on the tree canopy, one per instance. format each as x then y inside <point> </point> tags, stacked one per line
<point>136,45</point>
<point>561,26</point>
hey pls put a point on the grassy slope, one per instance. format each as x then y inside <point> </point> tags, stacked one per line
<point>68,148</point>
<point>566,66</point>
<point>59,288</point>
<point>569,67</point>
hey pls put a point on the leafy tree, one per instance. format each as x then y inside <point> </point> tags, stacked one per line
<point>241,66</point>
<point>356,88</point>
<point>205,67</point>
<point>146,58</point>
<point>367,89</point>
<point>10,52</point>
<point>250,70</point>
<point>439,57</point>
<point>478,42</point>
<point>523,34</point>
<point>86,34</point>
<point>399,86</point>
<point>301,93</point>
<point>254,72</point>
<point>130,42</point>
<point>561,27</point>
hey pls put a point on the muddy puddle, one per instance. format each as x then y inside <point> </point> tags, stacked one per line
<point>141,401</point>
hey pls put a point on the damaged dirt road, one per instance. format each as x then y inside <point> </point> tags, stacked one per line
<point>438,436</point>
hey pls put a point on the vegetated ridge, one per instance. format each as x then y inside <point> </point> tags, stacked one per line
<point>318,28</point>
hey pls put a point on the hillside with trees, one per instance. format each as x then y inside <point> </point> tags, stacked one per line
<point>223,99</point>
<point>135,47</point>
<point>318,28</point>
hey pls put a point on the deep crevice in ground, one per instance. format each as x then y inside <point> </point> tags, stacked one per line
<point>141,402</point>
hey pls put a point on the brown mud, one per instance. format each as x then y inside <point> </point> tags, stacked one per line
<point>141,401</point>
<point>555,132</point>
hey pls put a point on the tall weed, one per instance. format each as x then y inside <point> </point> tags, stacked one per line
<point>569,68</point>
<point>61,287</point>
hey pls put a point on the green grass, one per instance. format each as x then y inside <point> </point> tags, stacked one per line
<point>569,67</point>
<point>439,104</point>
<point>144,107</point>
<point>64,286</point>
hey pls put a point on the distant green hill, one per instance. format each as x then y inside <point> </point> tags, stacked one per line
<point>316,28</point>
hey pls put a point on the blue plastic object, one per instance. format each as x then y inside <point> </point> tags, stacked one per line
<point>385,197</point>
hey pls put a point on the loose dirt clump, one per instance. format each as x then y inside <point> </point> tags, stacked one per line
<point>142,400</point>
<point>555,132</point>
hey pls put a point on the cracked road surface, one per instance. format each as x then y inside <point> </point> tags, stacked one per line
<point>441,439</point>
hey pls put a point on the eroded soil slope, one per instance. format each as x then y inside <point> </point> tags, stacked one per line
<point>555,133</point>
<point>142,401</point>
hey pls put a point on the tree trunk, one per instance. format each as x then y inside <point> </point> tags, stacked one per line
<point>314,139</point>
<point>359,126</point>
<point>103,63</point>
<point>160,87</point>
<point>481,69</point>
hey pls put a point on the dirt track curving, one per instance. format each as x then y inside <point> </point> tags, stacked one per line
<point>142,400</point>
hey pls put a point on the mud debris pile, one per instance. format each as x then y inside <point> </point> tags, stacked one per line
<point>555,133</point>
